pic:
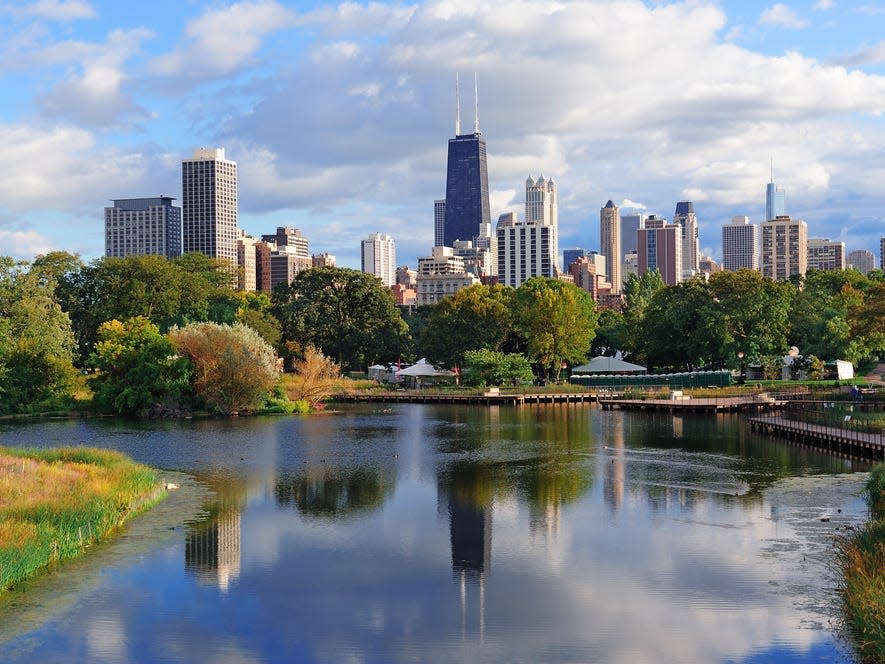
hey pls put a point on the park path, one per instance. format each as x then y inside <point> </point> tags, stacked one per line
<point>875,375</point>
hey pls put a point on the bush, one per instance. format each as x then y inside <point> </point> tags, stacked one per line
<point>234,368</point>
<point>874,491</point>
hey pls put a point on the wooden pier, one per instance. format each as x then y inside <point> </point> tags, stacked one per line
<point>844,442</point>
<point>755,402</point>
<point>479,398</point>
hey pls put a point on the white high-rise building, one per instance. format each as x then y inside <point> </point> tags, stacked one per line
<point>784,248</point>
<point>135,226</point>
<point>686,219</point>
<point>740,244</point>
<point>610,243</point>
<point>525,250</point>
<point>541,208</point>
<point>379,258</point>
<point>826,254</point>
<point>209,204</point>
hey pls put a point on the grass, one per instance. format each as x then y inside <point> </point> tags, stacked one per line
<point>862,560</point>
<point>55,503</point>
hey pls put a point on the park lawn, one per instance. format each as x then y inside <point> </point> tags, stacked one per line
<point>54,503</point>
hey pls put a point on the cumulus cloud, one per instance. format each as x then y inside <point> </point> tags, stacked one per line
<point>55,10</point>
<point>784,16</point>
<point>869,55</point>
<point>223,40</point>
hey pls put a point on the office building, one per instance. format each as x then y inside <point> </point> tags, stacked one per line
<point>706,265</point>
<point>610,243</point>
<point>379,258</point>
<point>775,205</point>
<point>138,226</point>
<point>288,236</point>
<point>285,264</point>
<point>660,248</point>
<point>406,276</point>
<point>439,222</point>
<point>825,254</point>
<point>784,248</point>
<point>861,260</point>
<point>209,205</point>
<point>525,250</point>
<point>631,265</point>
<point>467,181</point>
<point>441,274</point>
<point>570,255</point>
<point>324,259</point>
<point>630,225</point>
<point>247,262</point>
<point>477,260</point>
<point>589,273</point>
<point>686,219</point>
<point>740,245</point>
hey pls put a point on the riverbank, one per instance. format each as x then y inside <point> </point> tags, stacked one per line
<point>862,558</point>
<point>55,503</point>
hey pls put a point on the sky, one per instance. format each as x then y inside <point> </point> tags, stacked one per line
<point>338,115</point>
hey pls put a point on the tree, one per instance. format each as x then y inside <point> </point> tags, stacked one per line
<point>683,329</point>
<point>610,333</point>
<point>347,314</point>
<point>37,345</point>
<point>138,371</point>
<point>638,292</point>
<point>315,376</point>
<point>475,318</point>
<point>557,320</point>
<point>234,368</point>
<point>755,313</point>
<point>489,367</point>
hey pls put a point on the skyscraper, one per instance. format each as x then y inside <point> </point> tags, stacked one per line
<point>825,254</point>
<point>379,258</point>
<point>861,260</point>
<point>439,222</point>
<point>467,181</point>
<point>660,248</point>
<point>740,245</point>
<point>774,200</point>
<point>209,204</point>
<point>142,226</point>
<point>610,243</point>
<point>541,209</point>
<point>784,248</point>
<point>630,225</point>
<point>686,219</point>
<point>525,250</point>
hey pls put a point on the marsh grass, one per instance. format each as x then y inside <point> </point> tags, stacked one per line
<point>862,560</point>
<point>55,503</point>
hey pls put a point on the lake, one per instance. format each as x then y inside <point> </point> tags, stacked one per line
<point>418,533</point>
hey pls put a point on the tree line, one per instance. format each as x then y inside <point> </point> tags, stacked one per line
<point>152,332</point>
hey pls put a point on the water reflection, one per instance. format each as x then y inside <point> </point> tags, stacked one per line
<point>212,549</point>
<point>327,492</point>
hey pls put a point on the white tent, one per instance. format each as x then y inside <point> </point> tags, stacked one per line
<point>608,365</point>
<point>423,369</point>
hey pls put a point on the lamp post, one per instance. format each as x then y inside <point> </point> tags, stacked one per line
<point>742,376</point>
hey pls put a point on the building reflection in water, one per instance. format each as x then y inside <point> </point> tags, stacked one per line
<point>615,462</point>
<point>465,494</point>
<point>212,549</point>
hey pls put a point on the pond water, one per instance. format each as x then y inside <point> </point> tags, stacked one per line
<point>450,533</point>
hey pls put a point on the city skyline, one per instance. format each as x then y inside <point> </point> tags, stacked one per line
<point>338,115</point>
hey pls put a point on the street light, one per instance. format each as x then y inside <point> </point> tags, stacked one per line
<point>742,376</point>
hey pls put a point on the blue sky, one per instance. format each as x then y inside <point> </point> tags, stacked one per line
<point>338,114</point>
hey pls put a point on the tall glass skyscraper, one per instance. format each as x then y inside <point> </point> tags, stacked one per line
<point>467,180</point>
<point>774,200</point>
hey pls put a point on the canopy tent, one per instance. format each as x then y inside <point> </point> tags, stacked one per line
<point>424,369</point>
<point>608,365</point>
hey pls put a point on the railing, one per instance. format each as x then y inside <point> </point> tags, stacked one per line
<point>836,415</point>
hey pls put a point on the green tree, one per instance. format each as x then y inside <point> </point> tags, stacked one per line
<point>234,368</point>
<point>347,314</point>
<point>610,333</point>
<point>489,367</point>
<point>682,328</point>
<point>755,313</point>
<point>557,320</point>
<point>37,346</point>
<point>138,371</point>
<point>474,318</point>
<point>638,292</point>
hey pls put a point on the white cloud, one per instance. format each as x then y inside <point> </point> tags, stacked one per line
<point>56,10</point>
<point>221,41</point>
<point>825,4</point>
<point>627,203</point>
<point>781,14</point>
<point>24,244</point>
<point>869,55</point>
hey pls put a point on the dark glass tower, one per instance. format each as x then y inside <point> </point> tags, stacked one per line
<point>467,188</point>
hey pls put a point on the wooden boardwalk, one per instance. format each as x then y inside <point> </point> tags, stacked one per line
<point>843,442</point>
<point>757,402</point>
<point>483,398</point>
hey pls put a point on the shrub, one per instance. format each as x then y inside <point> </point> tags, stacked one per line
<point>315,377</point>
<point>234,368</point>
<point>874,491</point>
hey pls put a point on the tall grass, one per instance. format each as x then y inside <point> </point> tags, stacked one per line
<point>862,560</point>
<point>55,503</point>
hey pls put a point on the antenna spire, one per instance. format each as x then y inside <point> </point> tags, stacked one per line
<point>475,105</point>
<point>457,105</point>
